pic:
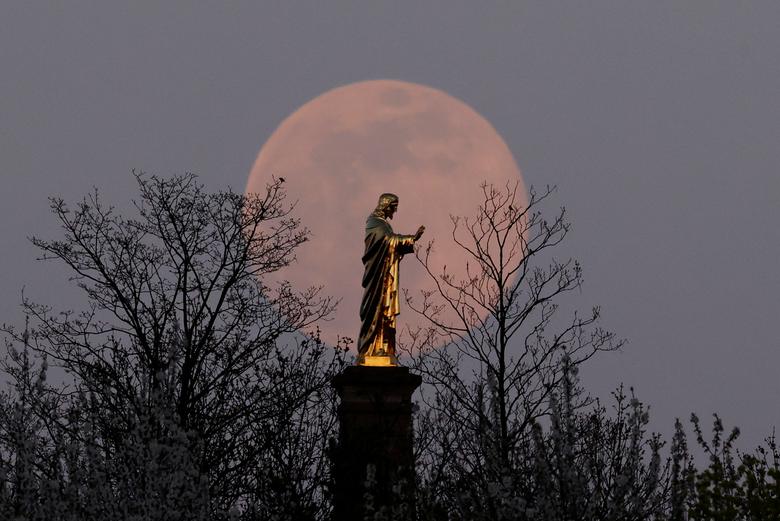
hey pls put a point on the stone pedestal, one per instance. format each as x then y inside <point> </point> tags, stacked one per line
<point>373,463</point>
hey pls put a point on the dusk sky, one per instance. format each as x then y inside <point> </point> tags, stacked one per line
<point>658,121</point>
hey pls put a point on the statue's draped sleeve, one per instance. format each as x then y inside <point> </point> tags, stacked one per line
<point>383,252</point>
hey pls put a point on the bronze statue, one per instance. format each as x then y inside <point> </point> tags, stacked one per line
<point>380,304</point>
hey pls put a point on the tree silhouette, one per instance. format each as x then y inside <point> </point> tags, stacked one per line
<point>498,322</point>
<point>197,394</point>
<point>185,351</point>
<point>504,429</point>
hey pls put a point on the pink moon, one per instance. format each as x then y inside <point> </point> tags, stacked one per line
<point>341,150</point>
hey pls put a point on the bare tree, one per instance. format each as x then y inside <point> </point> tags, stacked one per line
<point>493,354</point>
<point>182,329</point>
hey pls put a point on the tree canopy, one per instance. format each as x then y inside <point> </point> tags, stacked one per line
<point>201,390</point>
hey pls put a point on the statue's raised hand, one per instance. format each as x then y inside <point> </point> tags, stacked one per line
<point>419,233</point>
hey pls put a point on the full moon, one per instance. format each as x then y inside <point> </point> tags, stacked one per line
<point>340,151</point>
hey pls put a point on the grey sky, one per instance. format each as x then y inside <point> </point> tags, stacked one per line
<point>659,122</point>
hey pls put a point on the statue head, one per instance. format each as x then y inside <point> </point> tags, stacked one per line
<point>387,205</point>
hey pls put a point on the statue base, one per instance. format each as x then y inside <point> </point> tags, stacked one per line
<point>378,361</point>
<point>373,461</point>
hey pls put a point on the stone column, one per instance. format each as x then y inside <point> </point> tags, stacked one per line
<point>373,462</point>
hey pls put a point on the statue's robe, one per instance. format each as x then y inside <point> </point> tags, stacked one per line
<point>380,304</point>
